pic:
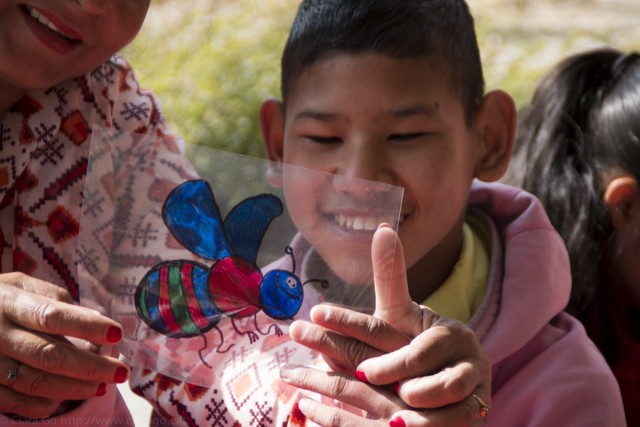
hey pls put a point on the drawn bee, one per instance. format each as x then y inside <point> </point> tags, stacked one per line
<point>182,299</point>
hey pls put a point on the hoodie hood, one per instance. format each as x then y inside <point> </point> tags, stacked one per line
<point>522,297</point>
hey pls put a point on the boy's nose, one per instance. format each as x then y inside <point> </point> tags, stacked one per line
<point>360,166</point>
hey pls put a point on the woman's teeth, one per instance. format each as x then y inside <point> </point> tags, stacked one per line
<point>44,21</point>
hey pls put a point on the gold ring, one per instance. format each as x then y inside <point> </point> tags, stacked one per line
<point>484,408</point>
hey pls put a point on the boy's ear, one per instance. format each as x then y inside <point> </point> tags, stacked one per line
<point>272,128</point>
<point>622,198</point>
<point>495,123</point>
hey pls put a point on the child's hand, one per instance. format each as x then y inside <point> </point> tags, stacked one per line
<point>437,342</point>
<point>429,361</point>
<point>52,351</point>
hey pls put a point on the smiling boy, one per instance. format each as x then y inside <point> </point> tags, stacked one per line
<point>392,91</point>
<point>395,121</point>
<point>393,118</point>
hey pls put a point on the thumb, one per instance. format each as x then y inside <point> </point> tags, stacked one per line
<point>393,302</point>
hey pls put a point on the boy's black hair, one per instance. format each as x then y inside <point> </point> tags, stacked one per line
<point>398,28</point>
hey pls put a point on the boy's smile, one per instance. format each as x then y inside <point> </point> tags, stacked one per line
<point>339,215</point>
<point>394,121</point>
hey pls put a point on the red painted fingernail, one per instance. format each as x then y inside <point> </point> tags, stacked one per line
<point>361,376</point>
<point>114,334</point>
<point>397,422</point>
<point>102,390</point>
<point>396,387</point>
<point>297,417</point>
<point>121,375</point>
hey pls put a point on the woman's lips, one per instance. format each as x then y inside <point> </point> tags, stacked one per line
<point>55,35</point>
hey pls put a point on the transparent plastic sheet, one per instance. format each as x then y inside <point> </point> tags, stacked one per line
<point>198,257</point>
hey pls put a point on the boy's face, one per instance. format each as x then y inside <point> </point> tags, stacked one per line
<point>383,119</point>
<point>44,42</point>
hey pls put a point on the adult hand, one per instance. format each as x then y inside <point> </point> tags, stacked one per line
<point>429,361</point>
<point>52,351</point>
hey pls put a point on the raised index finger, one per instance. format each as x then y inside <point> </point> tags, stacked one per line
<point>393,302</point>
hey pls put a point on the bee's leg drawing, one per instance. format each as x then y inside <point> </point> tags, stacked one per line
<point>219,349</point>
<point>273,326</point>
<point>253,337</point>
<point>204,338</point>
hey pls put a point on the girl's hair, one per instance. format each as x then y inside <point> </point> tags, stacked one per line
<point>583,121</point>
<point>443,29</point>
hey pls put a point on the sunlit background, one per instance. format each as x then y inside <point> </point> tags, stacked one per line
<point>212,62</point>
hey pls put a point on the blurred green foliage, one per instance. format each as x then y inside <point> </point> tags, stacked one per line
<point>521,40</point>
<point>212,62</point>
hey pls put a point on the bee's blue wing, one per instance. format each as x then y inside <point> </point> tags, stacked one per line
<point>247,223</point>
<point>193,216</point>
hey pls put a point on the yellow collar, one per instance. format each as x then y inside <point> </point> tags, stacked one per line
<point>461,294</point>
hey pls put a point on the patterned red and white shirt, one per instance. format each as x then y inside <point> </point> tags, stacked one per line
<point>45,140</point>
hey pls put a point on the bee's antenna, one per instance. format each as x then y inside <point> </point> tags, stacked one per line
<point>323,282</point>
<point>289,250</point>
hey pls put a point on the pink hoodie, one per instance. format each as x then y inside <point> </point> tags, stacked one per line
<point>546,372</point>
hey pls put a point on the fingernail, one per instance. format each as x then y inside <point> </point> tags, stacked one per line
<point>298,330</point>
<point>114,334</point>
<point>304,405</point>
<point>361,376</point>
<point>396,387</point>
<point>383,225</point>
<point>121,375</point>
<point>297,417</point>
<point>320,312</point>
<point>397,422</point>
<point>102,390</point>
<point>285,372</point>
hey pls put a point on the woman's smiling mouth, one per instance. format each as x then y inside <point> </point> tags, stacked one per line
<point>50,25</point>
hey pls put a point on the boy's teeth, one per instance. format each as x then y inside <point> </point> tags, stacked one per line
<point>44,21</point>
<point>358,223</point>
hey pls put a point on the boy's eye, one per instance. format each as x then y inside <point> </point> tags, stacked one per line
<point>406,136</point>
<point>323,139</point>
